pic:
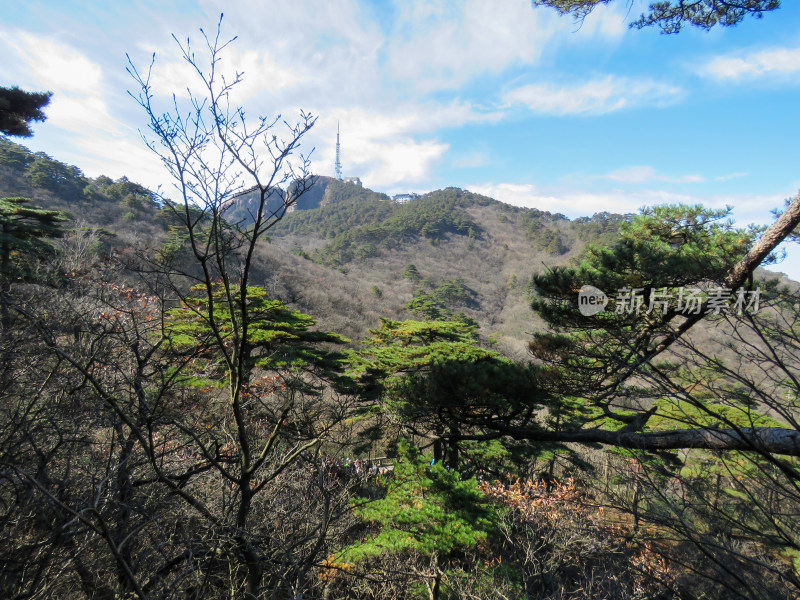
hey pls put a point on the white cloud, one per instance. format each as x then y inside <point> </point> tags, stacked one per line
<point>775,61</point>
<point>259,71</point>
<point>334,58</point>
<point>645,174</point>
<point>441,45</point>
<point>400,163</point>
<point>318,55</point>
<point>390,146</point>
<point>748,208</point>
<point>108,154</point>
<point>730,176</point>
<point>53,65</point>
<point>303,49</point>
<point>79,115</point>
<point>573,203</point>
<point>80,108</point>
<point>339,65</point>
<point>641,174</point>
<point>595,97</point>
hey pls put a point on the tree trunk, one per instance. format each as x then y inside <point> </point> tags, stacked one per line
<point>773,440</point>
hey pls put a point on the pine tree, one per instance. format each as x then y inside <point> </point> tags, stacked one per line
<point>18,108</point>
<point>23,230</point>
<point>427,510</point>
<point>670,16</point>
<point>434,379</point>
<point>411,272</point>
<point>278,338</point>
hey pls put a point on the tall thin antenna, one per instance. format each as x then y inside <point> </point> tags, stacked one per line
<point>338,165</point>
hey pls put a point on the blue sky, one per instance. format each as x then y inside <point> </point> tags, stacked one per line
<point>492,96</point>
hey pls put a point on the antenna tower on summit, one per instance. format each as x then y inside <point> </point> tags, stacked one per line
<point>338,165</point>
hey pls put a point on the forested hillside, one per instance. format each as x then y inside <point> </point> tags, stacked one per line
<point>166,450</point>
<point>343,254</point>
<point>268,384</point>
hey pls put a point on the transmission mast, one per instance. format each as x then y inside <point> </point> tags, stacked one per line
<point>338,165</point>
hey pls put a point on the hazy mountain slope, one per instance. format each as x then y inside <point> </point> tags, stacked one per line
<point>343,255</point>
<point>491,248</point>
<point>113,214</point>
<point>340,255</point>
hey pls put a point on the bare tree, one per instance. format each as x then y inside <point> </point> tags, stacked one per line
<point>170,449</point>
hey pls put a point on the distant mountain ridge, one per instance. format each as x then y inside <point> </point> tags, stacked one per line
<point>320,191</point>
<point>341,254</point>
<point>346,255</point>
